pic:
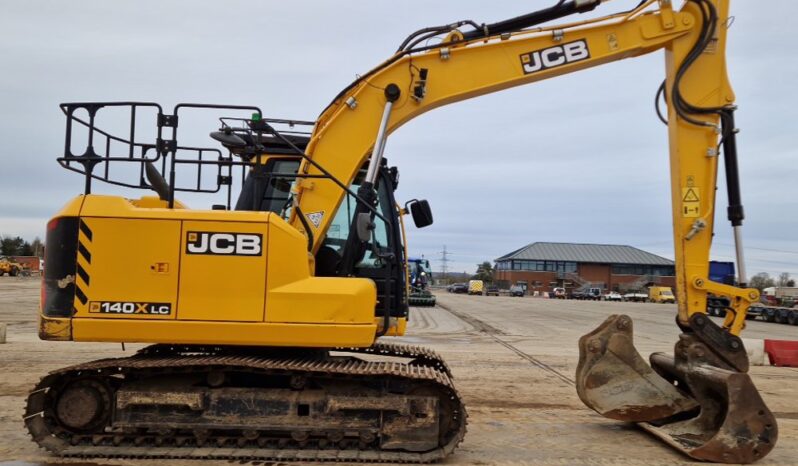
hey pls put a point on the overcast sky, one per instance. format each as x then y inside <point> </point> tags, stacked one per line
<point>581,158</point>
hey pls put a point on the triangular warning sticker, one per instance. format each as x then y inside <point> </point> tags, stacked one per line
<point>690,196</point>
<point>315,218</point>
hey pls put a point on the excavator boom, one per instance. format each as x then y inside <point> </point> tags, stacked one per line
<point>710,366</point>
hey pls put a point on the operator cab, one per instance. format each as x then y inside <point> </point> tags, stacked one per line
<point>384,233</point>
<point>359,242</point>
<point>267,184</point>
<point>380,257</point>
<point>265,190</point>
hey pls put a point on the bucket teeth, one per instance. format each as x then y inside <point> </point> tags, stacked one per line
<point>715,414</point>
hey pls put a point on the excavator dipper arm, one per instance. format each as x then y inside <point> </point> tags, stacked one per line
<point>701,400</point>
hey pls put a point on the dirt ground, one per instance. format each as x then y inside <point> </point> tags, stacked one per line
<point>513,360</point>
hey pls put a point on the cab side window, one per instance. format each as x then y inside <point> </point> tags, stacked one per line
<point>338,232</point>
<point>265,190</point>
<point>380,236</point>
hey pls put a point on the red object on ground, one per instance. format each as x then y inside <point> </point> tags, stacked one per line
<point>782,352</point>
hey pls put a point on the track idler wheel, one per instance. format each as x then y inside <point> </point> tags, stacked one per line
<point>700,402</point>
<point>84,405</point>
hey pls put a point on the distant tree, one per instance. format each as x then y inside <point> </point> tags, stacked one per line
<point>791,283</point>
<point>38,247</point>
<point>784,279</point>
<point>761,281</point>
<point>26,249</point>
<point>484,272</point>
<point>11,246</point>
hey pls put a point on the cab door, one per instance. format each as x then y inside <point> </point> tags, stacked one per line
<point>388,275</point>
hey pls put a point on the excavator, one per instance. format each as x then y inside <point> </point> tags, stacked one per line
<point>265,318</point>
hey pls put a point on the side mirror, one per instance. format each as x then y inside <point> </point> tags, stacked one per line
<point>421,212</point>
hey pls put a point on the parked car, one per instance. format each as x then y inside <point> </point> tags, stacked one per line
<point>558,293</point>
<point>517,290</point>
<point>457,288</point>
<point>491,290</point>
<point>635,297</point>
<point>612,296</point>
<point>587,293</point>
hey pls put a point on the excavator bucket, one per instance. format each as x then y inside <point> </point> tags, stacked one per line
<point>613,380</point>
<point>698,402</point>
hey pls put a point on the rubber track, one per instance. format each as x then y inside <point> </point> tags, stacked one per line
<point>420,355</point>
<point>348,368</point>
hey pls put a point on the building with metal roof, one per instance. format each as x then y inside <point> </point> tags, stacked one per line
<point>542,266</point>
<point>596,253</point>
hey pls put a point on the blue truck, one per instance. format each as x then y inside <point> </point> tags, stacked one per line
<point>722,272</point>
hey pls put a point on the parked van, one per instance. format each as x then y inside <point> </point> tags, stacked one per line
<point>475,287</point>
<point>661,294</point>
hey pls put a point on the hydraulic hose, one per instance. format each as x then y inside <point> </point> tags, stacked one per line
<point>531,19</point>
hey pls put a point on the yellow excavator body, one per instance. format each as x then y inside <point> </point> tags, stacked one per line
<point>262,314</point>
<point>158,275</point>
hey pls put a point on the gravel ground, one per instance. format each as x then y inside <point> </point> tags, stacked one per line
<point>513,360</point>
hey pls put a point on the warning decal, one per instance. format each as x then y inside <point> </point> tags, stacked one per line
<point>690,210</point>
<point>690,195</point>
<point>691,202</point>
<point>315,218</point>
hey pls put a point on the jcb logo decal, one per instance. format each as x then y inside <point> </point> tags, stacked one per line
<point>224,244</point>
<point>555,56</point>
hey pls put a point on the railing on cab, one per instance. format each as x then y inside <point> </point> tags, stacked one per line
<point>122,160</point>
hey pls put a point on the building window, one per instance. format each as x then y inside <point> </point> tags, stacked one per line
<point>570,267</point>
<point>538,266</point>
<point>632,269</point>
<point>666,270</point>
